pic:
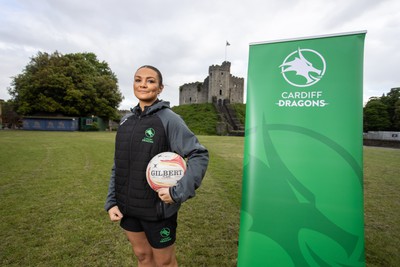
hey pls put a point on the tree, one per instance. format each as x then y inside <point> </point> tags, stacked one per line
<point>396,124</point>
<point>376,116</point>
<point>383,113</point>
<point>9,117</point>
<point>70,85</point>
<point>390,100</point>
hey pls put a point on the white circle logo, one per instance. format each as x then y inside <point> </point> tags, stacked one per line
<point>303,67</point>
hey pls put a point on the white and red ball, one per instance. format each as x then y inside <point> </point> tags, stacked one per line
<point>165,170</point>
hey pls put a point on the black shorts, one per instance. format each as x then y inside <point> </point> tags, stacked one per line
<point>160,234</point>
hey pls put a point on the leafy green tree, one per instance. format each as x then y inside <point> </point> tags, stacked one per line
<point>71,85</point>
<point>9,117</point>
<point>390,100</point>
<point>396,123</point>
<point>376,116</point>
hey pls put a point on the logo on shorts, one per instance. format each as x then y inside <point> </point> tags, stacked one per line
<point>148,135</point>
<point>164,233</point>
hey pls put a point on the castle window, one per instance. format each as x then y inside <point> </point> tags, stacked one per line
<point>222,73</point>
<point>220,92</point>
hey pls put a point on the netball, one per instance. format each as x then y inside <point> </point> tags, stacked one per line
<point>165,170</point>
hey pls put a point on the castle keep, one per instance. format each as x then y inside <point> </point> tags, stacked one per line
<point>220,87</point>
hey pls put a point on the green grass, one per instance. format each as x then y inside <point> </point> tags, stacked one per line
<point>53,186</point>
<point>202,119</point>
<point>240,110</point>
<point>382,206</point>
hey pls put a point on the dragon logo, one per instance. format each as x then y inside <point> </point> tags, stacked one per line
<point>303,67</point>
<point>150,132</point>
<point>165,232</point>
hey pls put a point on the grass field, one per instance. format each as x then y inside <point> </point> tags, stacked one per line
<point>53,186</point>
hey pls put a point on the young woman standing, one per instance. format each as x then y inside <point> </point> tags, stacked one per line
<point>149,218</point>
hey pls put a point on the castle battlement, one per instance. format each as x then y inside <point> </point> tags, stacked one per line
<point>237,78</point>
<point>190,84</point>
<point>225,66</point>
<point>223,87</point>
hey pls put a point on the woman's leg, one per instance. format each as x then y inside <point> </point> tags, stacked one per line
<point>165,256</point>
<point>141,248</point>
<point>148,256</point>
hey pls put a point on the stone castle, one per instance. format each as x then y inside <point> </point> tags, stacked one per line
<point>220,88</point>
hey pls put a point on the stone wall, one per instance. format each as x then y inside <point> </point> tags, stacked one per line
<point>220,86</point>
<point>193,93</point>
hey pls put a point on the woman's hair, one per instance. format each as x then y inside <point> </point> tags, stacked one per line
<point>160,78</point>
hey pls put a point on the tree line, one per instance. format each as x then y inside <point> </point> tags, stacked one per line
<point>383,113</point>
<point>54,84</point>
<point>80,85</point>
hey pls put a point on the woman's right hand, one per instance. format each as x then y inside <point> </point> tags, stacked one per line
<point>115,214</point>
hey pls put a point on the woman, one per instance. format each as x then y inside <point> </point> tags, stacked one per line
<point>149,218</point>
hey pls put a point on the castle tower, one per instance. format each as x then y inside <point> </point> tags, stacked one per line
<point>219,77</point>
<point>219,87</point>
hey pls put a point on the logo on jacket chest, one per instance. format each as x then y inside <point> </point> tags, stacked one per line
<point>148,135</point>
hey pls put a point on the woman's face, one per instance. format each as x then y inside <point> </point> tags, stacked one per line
<point>146,86</point>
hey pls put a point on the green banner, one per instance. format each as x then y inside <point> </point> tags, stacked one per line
<point>302,201</point>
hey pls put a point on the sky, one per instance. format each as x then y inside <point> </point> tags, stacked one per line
<point>184,37</point>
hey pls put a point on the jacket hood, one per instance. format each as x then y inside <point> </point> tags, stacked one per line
<point>156,106</point>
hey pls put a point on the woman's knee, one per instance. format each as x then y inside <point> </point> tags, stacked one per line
<point>165,256</point>
<point>143,254</point>
<point>140,246</point>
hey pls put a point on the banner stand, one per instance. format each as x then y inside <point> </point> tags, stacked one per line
<point>302,196</point>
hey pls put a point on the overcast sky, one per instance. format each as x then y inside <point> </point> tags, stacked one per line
<point>184,37</point>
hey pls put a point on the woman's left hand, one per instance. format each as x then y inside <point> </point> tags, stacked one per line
<point>163,194</point>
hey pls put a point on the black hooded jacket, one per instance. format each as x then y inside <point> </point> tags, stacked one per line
<point>141,135</point>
